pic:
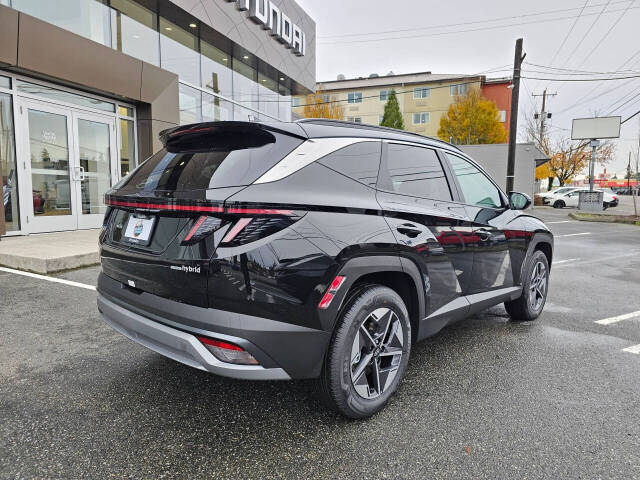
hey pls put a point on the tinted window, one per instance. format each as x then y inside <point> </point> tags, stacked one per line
<point>212,167</point>
<point>417,171</point>
<point>476,186</point>
<point>360,161</point>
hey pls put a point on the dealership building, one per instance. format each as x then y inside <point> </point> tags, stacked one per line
<point>87,85</point>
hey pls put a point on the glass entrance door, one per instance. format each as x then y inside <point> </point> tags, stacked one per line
<point>68,162</point>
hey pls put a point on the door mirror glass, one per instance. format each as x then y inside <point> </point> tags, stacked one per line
<point>519,201</point>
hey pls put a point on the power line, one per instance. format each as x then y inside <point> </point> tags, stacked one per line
<point>579,72</point>
<point>582,79</point>
<point>490,20</point>
<point>493,27</point>
<point>569,33</point>
<point>629,118</point>
<point>629,100</point>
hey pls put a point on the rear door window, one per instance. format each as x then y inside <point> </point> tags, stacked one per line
<point>360,161</point>
<point>415,171</point>
<point>214,167</point>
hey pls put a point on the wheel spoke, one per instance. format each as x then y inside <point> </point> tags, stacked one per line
<point>367,336</point>
<point>376,377</point>
<point>391,352</point>
<point>362,366</point>
<point>386,376</point>
<point>385,322</point>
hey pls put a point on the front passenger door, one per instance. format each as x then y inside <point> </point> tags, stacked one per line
<point>487,208</point>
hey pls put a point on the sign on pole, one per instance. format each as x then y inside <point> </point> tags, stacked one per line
<point>595,128</point>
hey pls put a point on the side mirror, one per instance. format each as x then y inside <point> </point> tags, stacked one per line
<point>519,201</point>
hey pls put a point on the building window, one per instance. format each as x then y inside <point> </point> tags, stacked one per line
<point>354,97</point>
<point>190,101</point>
<point>421,92</point>
<point>9,178</point>
<point>459,89</point>
<point>354,119</point>
<point>503,115</point>
<point>134,31</point>
<point>127,147</point>
<point>326,98</point>
<point>384,95</point>
<point>420,118</point>
<point>245,88</point>
<point>216,69</point>
<point>179,52</point>
<point>295,101</point>
<point>380,118</point>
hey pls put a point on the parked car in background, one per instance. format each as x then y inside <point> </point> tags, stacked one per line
<point>546,196</point>
<point>572,197</point>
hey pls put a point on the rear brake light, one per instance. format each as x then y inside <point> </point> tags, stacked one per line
<point>331,292</point>
<point>259,211</point>
<point>202,228</point>
<point>228,352</point>
<point>236,229</point>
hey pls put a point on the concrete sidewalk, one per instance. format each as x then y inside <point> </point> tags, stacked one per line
<point>50,252</point>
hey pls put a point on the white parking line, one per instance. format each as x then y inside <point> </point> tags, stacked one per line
<point>572,234</point>
<point>561,221</point>
<point>619,318</point>
<point>634,349</point>
<point>48,279</point>
<point>557,262</point>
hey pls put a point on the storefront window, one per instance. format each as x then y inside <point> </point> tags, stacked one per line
<point>63,96</point>
<point>268,97</point>
<point>245,85</point>
<point>133,31</point>
<point>5,82</point>
<point>179,52</point>
<point>127,147</point>
<point>190,105</point>
<point>9,177</point>
<point>216,71</point>
<point>87,18</point>
<point>215,109</point>
<point>284,111</point>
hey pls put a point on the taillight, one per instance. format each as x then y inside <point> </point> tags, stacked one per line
<point>331,292</point>
<point>202,228</point>
<point>228,352</point>
<point>256,223</point>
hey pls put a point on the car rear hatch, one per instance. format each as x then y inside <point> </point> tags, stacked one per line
<point>166,219</point>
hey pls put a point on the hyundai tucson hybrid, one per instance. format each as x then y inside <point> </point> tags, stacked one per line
<point>313,249</point>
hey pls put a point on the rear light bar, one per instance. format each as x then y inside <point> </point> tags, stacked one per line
<point>228,352</point>
<point>237,228</point>
<point>331,292</point>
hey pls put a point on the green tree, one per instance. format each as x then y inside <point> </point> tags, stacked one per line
<point>392,117</point>
<point>471,120</point>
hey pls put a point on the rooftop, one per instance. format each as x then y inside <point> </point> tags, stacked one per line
<point>392,79</point>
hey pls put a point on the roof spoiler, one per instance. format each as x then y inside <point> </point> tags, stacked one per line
<point>224,135</point>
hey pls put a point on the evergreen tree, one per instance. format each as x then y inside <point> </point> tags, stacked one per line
<point>392,117</point>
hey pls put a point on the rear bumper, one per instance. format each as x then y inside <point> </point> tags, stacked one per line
<point>283,350</point>
<point>178,345</point>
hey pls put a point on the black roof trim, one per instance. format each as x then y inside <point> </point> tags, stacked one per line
<point>364,126</point>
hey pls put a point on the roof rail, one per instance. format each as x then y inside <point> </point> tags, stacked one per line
<point>337,123</point>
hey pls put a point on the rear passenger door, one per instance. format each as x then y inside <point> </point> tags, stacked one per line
<point>487,209</point>
<point>429,227</point>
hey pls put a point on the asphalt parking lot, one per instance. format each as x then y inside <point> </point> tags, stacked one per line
<point>486,398</point>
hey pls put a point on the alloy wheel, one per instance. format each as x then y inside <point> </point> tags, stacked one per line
<point>538,286</point>
<point>376,353</point>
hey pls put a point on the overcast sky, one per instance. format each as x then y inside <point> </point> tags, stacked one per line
<point>360,37</point>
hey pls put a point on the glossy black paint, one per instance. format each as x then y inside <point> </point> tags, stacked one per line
<point>446,258</point>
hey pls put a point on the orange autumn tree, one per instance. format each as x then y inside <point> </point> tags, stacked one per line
<point>321,105</point>
<point>472,120</point>
<point>571,158</point>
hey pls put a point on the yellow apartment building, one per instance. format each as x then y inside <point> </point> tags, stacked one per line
<point>423,97</point>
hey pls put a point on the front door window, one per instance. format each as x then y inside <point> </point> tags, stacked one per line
<point>49,158</point>
<point>94,141</point>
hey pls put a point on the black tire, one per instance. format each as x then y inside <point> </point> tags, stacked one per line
<point>559,204</point>
<point>524,308</point>
<point>356,318</point>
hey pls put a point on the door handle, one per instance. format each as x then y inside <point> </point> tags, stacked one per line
<point>82,174</point>
<point>409,230</point>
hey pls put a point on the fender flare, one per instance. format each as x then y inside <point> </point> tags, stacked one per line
<point>355,268</point>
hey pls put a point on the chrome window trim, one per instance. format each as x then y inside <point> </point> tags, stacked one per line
<point>306,153</point>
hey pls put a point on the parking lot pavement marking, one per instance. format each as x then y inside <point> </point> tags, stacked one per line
<point>572,234</point>
<point>598,260</point>
<point>619,318</point>
<point>634,349</point>
<point>561,221</point>
<point>49,279</point>
<point>557,262</point>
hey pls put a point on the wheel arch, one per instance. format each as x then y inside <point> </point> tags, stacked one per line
<point>389,271</point>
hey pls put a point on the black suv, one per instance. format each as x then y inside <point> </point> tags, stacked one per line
<point>312,249</point>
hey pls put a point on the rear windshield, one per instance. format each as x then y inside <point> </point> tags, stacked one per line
<point>201,170</point>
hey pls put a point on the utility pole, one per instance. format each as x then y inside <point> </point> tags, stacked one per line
<point>544,115</point>
<point>513,124</point>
